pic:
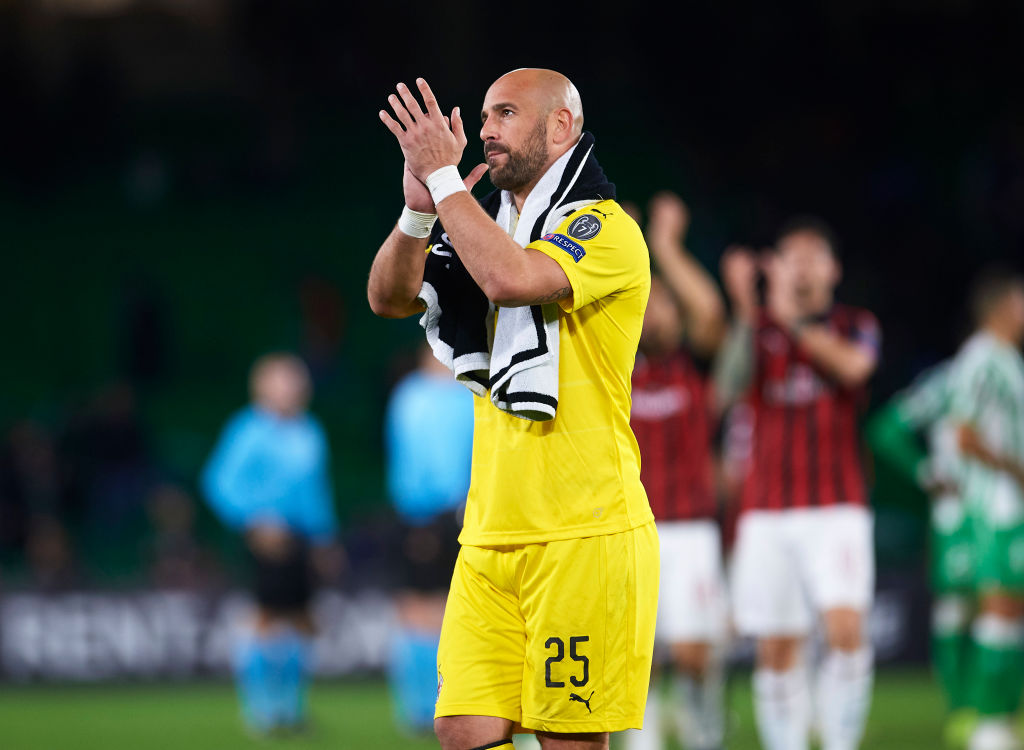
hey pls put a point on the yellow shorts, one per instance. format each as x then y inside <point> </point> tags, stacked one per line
<point>556,637</point>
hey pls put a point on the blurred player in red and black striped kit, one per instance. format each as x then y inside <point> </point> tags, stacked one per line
<point>672,418</point>
<point>804,544</point>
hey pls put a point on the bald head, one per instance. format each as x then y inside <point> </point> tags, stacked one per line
<point>531,117</point>
<point>549,89</point>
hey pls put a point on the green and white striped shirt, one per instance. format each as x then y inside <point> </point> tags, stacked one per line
<point>986,389</point>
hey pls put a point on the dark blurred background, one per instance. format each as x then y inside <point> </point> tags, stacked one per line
<point>186,184</point>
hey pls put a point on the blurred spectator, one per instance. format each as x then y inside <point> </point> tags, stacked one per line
<point>144,330</point>
<point>268,479</point>
<point>48,550</point>
<point>323,327</point>
<point>112,469</point>
<point>175,559</point>
<point>429,435</point>
<point>30,481</point>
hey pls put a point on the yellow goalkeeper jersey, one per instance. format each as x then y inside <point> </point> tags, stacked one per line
<point>578,474</point>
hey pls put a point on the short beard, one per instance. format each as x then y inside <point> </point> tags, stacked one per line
<point>524,165</point>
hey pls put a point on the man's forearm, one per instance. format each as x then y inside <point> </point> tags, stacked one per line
<point>848,363</point>
<point>397,275</point>
<point>1008,464</point>
<point>696,291</point>
<point>1011,466</point>
<point>1016,468</point>
<point>972,445</point>
<point>734,367</point>
<point>498,264</point>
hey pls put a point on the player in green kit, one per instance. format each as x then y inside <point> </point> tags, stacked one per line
<point>894,432</point>
<point>986,391</point>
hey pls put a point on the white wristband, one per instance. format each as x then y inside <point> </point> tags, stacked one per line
<point>415,223</point>
<point>444,182</point>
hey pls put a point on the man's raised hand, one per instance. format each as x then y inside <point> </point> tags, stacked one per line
<point>428,140</point>
<point>669,220</point>
<point>739,277</point>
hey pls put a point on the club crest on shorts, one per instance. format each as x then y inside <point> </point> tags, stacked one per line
<point>584,227</point>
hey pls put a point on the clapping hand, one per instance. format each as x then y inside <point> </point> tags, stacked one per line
<point>429,140</point>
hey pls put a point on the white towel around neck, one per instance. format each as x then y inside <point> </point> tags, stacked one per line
<point>524,353</point>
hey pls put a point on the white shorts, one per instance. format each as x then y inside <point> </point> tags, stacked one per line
<point>692,603</point>
<point>791,565</point>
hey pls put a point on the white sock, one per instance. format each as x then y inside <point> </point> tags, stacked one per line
<point>782,706</point>
<point>994,733</point>
<point>844,697</point>
<point>651,736</point>
<point>700,712</point>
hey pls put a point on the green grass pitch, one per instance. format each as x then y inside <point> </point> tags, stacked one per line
<point>906,714</point>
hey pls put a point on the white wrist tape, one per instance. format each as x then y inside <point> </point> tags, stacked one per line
<point>415,223</point>
<point>444,182</point>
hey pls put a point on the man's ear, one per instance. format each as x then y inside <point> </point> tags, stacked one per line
<point>562,130</point>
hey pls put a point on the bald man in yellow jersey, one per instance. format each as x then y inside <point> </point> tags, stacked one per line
<point>550,619</point>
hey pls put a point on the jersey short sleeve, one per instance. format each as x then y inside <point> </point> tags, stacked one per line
<point>602,251</point>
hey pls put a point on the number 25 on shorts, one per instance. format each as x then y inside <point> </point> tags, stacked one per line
<point>557,645</point>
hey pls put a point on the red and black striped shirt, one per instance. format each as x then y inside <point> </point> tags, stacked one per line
<point>806,447</point>
<point>673,423</point>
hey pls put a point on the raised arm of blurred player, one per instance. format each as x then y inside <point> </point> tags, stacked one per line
<point>734,367</point>
<point>692,286</point>
<point>397,271</point>
<point>849,361</point>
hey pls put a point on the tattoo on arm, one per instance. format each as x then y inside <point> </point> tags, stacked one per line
<point>565,291</point>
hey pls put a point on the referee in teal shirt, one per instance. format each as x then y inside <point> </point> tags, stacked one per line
<point>268,479</point>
